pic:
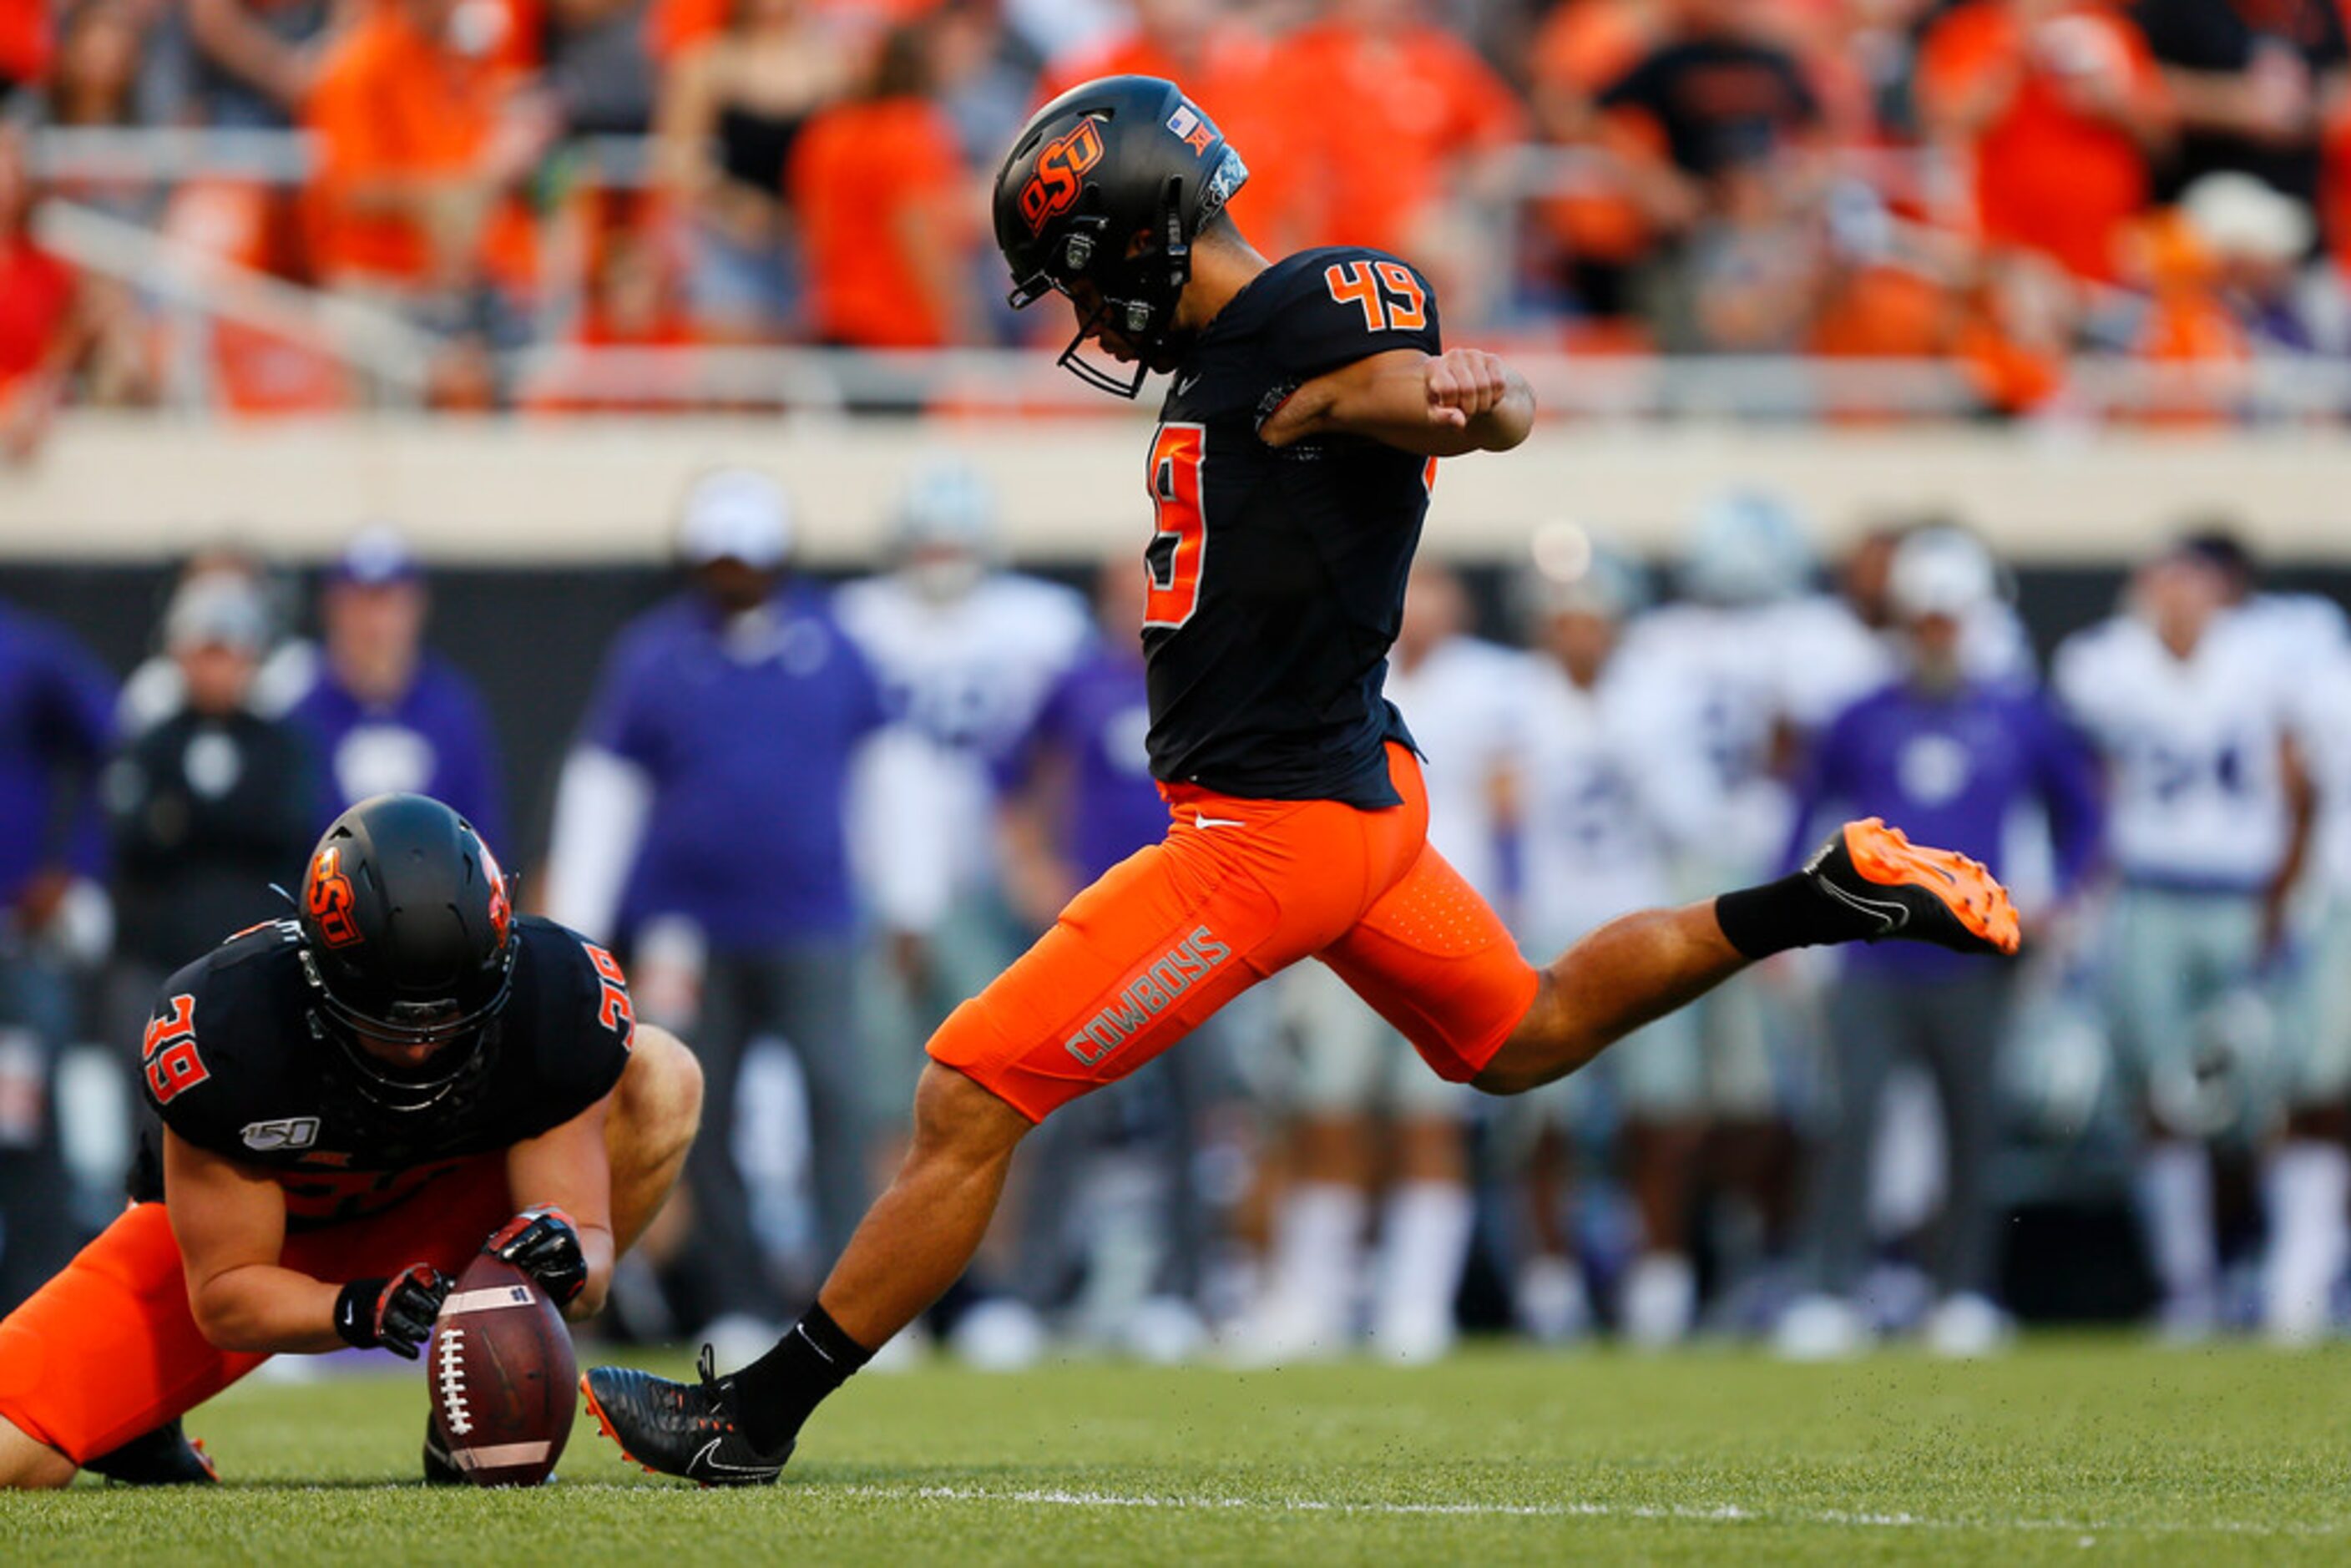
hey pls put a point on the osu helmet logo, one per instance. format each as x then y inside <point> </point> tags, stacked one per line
<point>328,898</point>
<point>1055,184</point>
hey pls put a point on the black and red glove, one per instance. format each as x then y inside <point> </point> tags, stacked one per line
<point>544,1243</point>
<point>396,1314</point>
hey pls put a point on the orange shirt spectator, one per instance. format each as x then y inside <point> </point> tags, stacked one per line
<point>25,42</point>
<point>1391,107</point>
<point>1879,310</point>
<point>1582,48</point>
<point>42,333</point>
<point>1230,71</point>
<point>36,295</point>
<point>419,144</point>
<point>2018,332</point>
<point>2058,101</point>
<point>880,186</point>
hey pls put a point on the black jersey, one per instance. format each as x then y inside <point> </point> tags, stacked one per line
<point>1277,575</point>
<point>234,1064</point>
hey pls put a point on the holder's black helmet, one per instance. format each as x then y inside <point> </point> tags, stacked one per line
<point>1106,162</point>
<point>408,938</point>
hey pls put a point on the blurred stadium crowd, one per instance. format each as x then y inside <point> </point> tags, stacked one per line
<point>1996,185</point>
<point>814,817</point>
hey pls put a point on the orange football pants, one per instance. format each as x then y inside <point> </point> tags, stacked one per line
<point>1239,889</point>
<point>109,1349</point>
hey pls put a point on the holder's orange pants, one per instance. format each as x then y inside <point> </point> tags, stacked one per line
<point>1239,889</point>
<point>109,1350</point>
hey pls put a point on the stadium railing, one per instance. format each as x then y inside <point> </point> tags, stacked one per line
<point>392,355</point>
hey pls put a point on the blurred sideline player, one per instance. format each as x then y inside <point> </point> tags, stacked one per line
<point>2310,1173</point>
<point>1078,798</point>
<point>1289,475</point>
<point>157,689</point>
<point>354,1102</point>
<point>1739,669</point>
<point>1606,803</point>
<point>2211,819</point>
<point>208,809</point>
<point>1369,1117</point>
<point>56,729</point>
<point>2307,1179</point>
<point>964,650</point>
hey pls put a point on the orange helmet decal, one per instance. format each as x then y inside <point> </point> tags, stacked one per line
<point>1055,184</point>
<point>328,898</point>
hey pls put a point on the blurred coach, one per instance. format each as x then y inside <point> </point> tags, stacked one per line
<point>1952,757</point>
<point>699,819</point>
<point>384,713</point>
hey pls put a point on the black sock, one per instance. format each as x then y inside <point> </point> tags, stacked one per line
<point>1789,913</point>
<point>777,1390</point>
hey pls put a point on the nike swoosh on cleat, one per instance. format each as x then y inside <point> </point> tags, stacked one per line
<point>1892,915</point>
<point>706,1460</point>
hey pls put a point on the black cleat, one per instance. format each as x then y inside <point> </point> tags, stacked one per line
<point>440,1465</point>
<point>165,1457</point>
<point>679,1429</point>
<point>1913,893</point>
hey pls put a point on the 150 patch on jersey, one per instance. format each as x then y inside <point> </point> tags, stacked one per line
<point>168,1053</point>
<point>285,1133</point>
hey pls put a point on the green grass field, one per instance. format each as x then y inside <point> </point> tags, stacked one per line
<point>2071,1448</point>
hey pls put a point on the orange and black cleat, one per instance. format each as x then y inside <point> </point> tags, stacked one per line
<point>674,1428</point>
<point>1915,893</point>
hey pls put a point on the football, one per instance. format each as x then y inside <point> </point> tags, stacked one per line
<point>504,1385</point>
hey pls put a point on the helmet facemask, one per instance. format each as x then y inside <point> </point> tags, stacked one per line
<point>467,1039</point>
<point>1136,293</point>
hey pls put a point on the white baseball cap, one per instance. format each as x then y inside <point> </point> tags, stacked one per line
<point>736,514</point>
<point>1940,572</point>
<point>217,610</point>
<point>2238,216</point>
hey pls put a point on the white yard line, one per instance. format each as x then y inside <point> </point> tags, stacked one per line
<point>1726,1513</point>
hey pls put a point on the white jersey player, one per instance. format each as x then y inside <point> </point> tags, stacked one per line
<point>1721,669</point>
<point>2208,822</point>
<point>1747,661</point>
<point>2310,1175</point>
<point>965,653</point>
<point>1607,799</point>
<point>1460,697</point>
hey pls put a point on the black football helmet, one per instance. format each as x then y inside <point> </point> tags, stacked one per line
<point>1109,184</point>
<point>408,939</point>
